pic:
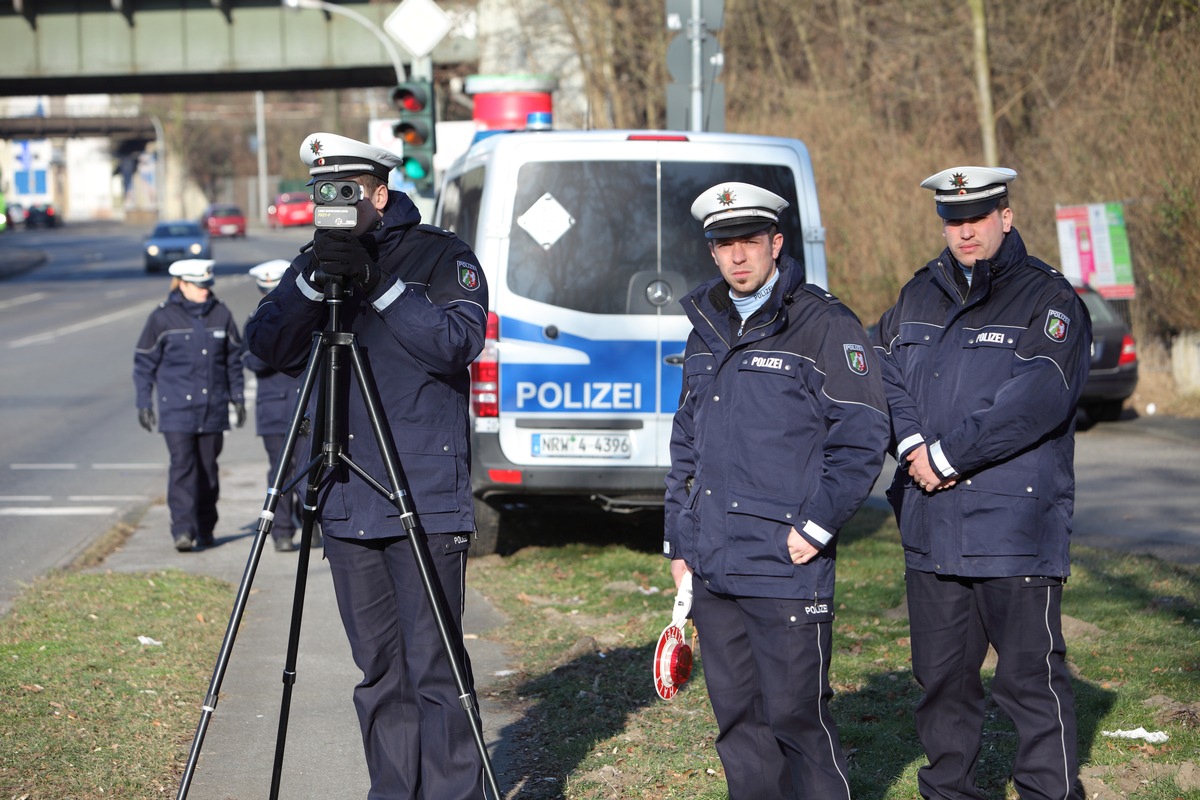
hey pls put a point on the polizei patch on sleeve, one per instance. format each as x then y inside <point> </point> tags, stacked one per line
<point>1057,324</point>
<point>856,358</point>
<point>468,276</point>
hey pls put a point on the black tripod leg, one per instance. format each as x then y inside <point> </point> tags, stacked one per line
<point>265,521</point>
<point>408,517</point>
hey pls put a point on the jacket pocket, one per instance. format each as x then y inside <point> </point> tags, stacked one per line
<point>908,503</point>
<point>757,528</point>
<point>999,512</point>
<point>429,460</point>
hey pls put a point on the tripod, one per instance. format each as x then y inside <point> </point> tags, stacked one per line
<point>328,452</point>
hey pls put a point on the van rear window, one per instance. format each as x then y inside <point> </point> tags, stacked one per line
<point>581,229</point>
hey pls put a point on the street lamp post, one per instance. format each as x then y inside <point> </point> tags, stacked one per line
<point>332,8</point>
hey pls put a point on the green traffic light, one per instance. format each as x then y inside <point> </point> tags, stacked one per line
<point>414,169</point>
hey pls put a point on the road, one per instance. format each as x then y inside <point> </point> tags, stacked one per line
<point>74,460</point>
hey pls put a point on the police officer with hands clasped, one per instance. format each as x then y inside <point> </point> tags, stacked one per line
<point>189,358</point>
<point>417,305</point>
<point>778,439</point>
<point>984,356</point>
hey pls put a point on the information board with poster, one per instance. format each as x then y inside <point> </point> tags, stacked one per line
<point>1094,248</point>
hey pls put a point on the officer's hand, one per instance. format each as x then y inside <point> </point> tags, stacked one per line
<point>239,409</point>
<point>799,548</point>
<point>146,418</point>
<point>340,253</point>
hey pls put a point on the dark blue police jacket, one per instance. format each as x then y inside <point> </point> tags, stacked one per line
<point>419,331</point>
<point>991,375</point>
<point>275,397</point>
<point>189,355</point>
<point>783,427</point>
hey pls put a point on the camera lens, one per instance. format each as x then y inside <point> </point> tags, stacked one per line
<point>347,192</point>
<point>327,192</point>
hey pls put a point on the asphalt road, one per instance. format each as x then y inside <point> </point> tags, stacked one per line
<point>73,459</point>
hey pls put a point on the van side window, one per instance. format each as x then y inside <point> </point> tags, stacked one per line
<point>581,229</point>
<point>460,205</point>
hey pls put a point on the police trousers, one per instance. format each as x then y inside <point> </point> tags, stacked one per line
<point>193,485</point>
<point>767,671</point>
<point>288,506</point>
<point>416,736</point>
<point>952,621</point>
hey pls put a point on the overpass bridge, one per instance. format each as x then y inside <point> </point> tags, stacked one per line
<point>60,47</point>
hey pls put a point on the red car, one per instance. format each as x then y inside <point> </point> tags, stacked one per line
<point>221,219</point>
<point>290,208</point>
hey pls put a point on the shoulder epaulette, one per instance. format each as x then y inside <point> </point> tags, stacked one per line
<point>821,292</point>
<point>435,230</point>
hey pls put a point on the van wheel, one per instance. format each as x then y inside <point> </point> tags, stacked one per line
<point>487,528</point>
<point>1108,411</point>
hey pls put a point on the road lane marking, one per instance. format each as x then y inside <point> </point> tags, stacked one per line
<point>49,336</point>
<point>43,466</point>
<point>25,498</point>
<point>105,498</point>
<point>66,511</point>
<point>29,298</point>
<point>145,465</point>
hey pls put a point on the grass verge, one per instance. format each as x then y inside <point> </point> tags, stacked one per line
<point>89,712</point>
<point>584,618</point>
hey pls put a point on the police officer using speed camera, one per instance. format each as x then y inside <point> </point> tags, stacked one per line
<point>418,308</point>
<point>778,439</point>
<point>189,359</point>
<point>984,356</point>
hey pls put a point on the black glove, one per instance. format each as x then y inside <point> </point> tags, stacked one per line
<point>146,418</point>
<point>340,253</point>
<point>240,410</point>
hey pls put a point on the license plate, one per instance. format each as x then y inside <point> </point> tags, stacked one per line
<point>229,229</point>
<point>582,445</point>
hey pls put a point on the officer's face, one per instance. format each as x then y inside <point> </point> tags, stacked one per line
<point>747,262</point>
<point>193,293</point>
<point>971,240</point>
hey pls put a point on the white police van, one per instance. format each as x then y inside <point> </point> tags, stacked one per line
<point>588,244</point>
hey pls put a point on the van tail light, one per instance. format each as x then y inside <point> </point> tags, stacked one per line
<point>485,373</point>
<point>1128,351</point>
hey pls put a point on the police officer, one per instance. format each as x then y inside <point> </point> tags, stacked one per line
<point>984,356</point>
<point>418,310</point>
<point>778,439</point>
<point>189,356</point>
<point>274,403</point>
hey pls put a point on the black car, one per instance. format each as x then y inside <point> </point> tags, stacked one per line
<point>42,215</point>
<point>1114,373</point>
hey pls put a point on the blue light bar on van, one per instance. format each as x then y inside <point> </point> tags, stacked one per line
<point>656,137</point>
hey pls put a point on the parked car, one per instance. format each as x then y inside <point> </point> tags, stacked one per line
<point>222,219</point>
<point>290,208</point>
<point>42,215</point>
<point>16,216</point>
<point>1114,373</point>
<point>171,241</point>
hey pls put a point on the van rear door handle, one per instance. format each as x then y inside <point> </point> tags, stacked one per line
<point>675,359</point>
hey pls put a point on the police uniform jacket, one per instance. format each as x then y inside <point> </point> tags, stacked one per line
<point>418,331</point>
<point>275,397</point>
<point>782,427</point>
<point>988,376</point>
<point>189,355</point>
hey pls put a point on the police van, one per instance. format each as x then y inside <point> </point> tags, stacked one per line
<point>588,244</point>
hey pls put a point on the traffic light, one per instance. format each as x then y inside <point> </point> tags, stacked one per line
<point>416,130</point>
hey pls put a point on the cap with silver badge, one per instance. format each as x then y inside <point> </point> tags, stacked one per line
<point>193,270</point>
<point>737,209</point>
<point>268,274</point>
<point>328,155</point>
<point>968,192</point>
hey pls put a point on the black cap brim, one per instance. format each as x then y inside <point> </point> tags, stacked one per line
<point>971,210</point>
<point>738,227</point>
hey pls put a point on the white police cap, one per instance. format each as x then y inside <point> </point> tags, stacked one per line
<point>328,155</point>
<point>968,192</point>
<point>268,273</point>
<point>737,209</point>
<point>193,270</point>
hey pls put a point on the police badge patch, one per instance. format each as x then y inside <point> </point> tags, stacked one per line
<point>856,358</point>
<point>1057,324</point>
<point>468,276</point>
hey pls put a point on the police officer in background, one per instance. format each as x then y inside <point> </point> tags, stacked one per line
<point>274,402</point>
<point>778,439</point>
<point>189,355</point>
<point>984,356</point>
<point>418,308</point>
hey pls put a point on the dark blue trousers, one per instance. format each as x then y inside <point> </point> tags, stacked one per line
<point>767,671</point>
<point>952,620</point>
<point>286,516</point>
<point>416,735</point>
<point>193,485</point>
